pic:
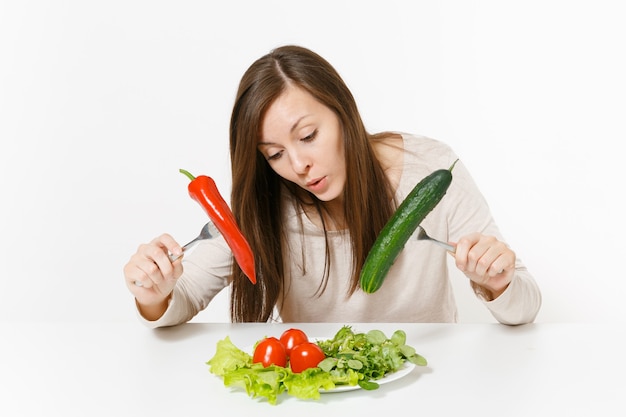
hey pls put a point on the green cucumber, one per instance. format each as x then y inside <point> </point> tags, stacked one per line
<point>394,235</point>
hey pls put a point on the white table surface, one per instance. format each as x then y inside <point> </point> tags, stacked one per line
<point>125,369</point>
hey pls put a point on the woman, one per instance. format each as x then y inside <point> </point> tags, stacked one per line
<point>311,189</point>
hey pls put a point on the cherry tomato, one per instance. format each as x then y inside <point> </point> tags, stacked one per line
<point>270,351</point>
<point>292,338</point>
<point>305,355</point>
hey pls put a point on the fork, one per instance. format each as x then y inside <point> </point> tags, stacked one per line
<point>208,231</point>
<point>422,235</point>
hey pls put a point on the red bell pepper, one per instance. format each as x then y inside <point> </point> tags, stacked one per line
<point>205,192</point>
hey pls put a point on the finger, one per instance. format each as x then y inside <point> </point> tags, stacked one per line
<point>170,245</point>
<point>166,274</point>
<point>148,274</point>
<point>463,248</point>
<point>504,263</point>
<point>136,278</point>
<point>132,273</point>
<point>158,252</point>
<point>477,259</point>
<point>483,253</point>
<point>484,262</point>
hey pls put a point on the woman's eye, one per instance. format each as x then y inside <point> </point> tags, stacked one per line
<point>309,137</point>
<point>274,156</point>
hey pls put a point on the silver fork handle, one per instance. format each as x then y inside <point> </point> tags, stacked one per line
<point>184,247</point>
<point>447,246</point>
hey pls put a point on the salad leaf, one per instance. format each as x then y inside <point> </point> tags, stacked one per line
<point>228,358</point>
<point>259,381</point>
<point>307,384</point>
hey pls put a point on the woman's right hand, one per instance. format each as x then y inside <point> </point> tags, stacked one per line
<point>151,268</point>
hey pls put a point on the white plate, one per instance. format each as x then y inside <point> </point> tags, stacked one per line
<point>404,370</point>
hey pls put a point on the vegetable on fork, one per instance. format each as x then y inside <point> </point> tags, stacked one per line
<point>391,240</point>
<point>203,189</point>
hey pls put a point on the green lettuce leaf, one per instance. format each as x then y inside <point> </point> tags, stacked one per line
<point>228,358</point>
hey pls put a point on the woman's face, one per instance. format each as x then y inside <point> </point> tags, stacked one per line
<point>302,141</point>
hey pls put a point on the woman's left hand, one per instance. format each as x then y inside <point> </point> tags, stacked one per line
<point>486,261</point>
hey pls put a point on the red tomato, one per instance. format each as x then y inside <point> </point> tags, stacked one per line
<point>305,355</point>
<point>270,351</point>
<point>292,338</point>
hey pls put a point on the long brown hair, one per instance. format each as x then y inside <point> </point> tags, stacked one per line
<point>256,188</point>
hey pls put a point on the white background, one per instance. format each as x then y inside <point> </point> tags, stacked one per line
<point>102,102</point>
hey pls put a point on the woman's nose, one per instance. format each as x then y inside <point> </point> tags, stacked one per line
<point>300,162</point>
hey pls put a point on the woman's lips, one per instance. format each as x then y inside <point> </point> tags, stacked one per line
<point>317,184</point>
